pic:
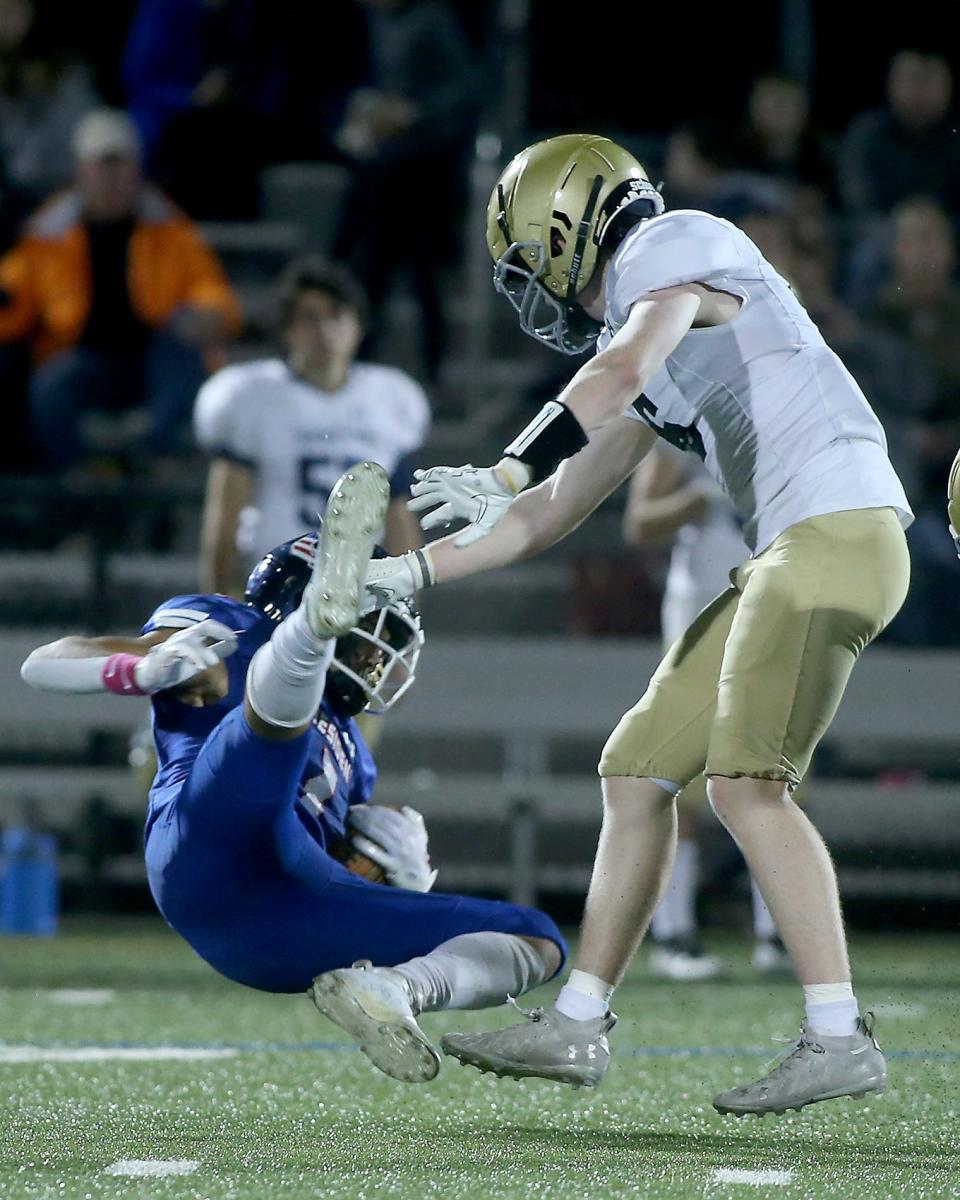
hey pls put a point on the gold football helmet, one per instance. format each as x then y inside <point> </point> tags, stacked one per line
<point>557,204</point>
<point>953,501</point>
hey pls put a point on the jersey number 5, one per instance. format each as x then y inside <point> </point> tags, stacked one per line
<point>684,437</point>
<point>317,476</point>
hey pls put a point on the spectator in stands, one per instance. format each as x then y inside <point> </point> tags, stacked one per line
<point>921,304</point>
<point>280,431</point>
<point>198,75</point>
<point>777,138</point>
<point>699,174</point>
<point>119,298</point>
<point>42,97</point>
<point>909,145</point>
<point>409,136</point>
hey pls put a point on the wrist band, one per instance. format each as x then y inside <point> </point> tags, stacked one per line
<point>118,675</point>
<point>423,564</point>
<point>553,435</point>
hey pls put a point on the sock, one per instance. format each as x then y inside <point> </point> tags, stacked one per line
<point>584,997</point>
<point>473,970</point>
<point>764,926</point>
<point>287,676</point>
<point>675,915</point>
<point>831,1009</point>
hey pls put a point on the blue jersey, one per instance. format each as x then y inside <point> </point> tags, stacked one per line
<point>339,769</point>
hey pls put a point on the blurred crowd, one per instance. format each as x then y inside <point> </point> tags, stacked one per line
<point>114,308</point>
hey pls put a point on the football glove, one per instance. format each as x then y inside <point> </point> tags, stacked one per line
<point>397,578</point>
<point>478,495</point>
<point>396,841</point>
<point>185,654</point>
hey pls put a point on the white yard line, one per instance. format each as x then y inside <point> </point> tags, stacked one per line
<point>752,1178</point>
<point>36,1054</point>
<point>152,1166</point>
<point>79,996</point>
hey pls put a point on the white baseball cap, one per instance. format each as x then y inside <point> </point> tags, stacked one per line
<point>105,133</point>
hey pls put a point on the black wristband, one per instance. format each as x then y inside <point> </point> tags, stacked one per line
<point>553,435</point>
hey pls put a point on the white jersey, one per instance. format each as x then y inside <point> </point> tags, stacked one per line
<point>703,555</point>
<point>298,440</point>
<point>779,421</point>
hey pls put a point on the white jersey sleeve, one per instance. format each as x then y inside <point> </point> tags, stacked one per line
<point>679,247</point>
<point>226,416</point>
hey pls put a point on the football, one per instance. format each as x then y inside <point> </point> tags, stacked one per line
<point>360,864</point>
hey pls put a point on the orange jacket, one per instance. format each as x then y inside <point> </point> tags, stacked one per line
<point>46,275</point>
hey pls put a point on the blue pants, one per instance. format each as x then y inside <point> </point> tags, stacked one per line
<point>164,380</point>
<point>238,876</point>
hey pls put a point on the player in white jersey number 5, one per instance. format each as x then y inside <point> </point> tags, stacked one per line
<point>701,342</point>
<point>281,431</point>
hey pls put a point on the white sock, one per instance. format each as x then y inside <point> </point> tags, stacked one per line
<point>831,1009</point>
<point>287,676</point>
<point>584,997</point>
<point>764,926</point>
<point>473,970</point>
<point>675,915</point>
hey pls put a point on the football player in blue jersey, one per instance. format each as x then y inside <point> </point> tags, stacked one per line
<point>264,778</point>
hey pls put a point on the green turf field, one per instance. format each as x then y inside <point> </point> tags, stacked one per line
<point>286,1109</point>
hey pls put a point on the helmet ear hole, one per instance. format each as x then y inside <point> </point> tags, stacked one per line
<point>558,243</point>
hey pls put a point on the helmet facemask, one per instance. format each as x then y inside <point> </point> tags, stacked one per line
<point>560,324</point>
<point>375,663</point>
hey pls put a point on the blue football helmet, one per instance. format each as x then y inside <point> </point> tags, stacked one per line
<point>373,664</point>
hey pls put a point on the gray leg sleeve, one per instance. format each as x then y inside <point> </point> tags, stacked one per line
<point>473,970</point>
<point>287,676</point>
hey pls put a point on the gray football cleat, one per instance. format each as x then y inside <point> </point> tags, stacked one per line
<point>372,1005</point>
<point>548,1045</point>
<point>817,1068</point>
<point>354,516</point>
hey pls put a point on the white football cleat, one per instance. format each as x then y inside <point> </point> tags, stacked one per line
<point>354,516</point>
<point>372,1005</point>
<point>815,1068</point>
<point>546,1045</point>
<point>683,961</point>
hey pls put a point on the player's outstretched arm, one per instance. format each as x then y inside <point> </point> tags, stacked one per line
<point>541,517</point>
<point>598,394</point>
<point>136,666</point>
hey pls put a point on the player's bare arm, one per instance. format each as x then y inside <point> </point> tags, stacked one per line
<point>189,660</point>
<point>598,393</point>
<point>615,377</point>
<point>229,491</point>
<point>659,503</point>
<point>540,518</point>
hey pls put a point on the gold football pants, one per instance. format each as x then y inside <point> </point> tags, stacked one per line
<point>753,684</point>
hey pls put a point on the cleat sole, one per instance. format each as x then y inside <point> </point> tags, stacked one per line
<point>394,1043</point>
<point>354,516</point>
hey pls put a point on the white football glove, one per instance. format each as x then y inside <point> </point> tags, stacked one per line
<point>396,841</point>
<point>397,578</point>
<point>185,654</point>
<point>480,495</point>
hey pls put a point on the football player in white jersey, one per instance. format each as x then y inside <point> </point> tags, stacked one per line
<point>671,496</point>
<point>700,342</point>
<point>281,431</point>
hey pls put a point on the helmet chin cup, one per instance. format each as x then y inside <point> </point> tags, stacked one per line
<point>556,323</point>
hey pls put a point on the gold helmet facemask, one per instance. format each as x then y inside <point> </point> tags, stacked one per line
<point>543,278</point>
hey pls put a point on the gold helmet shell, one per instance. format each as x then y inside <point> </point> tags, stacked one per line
<point>953,500</point>
<point>556,205</point>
